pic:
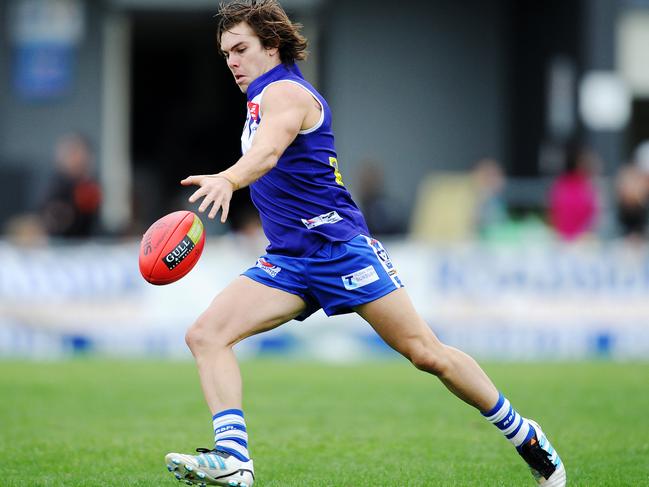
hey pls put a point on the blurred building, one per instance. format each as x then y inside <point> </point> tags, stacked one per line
<point>424,86</point>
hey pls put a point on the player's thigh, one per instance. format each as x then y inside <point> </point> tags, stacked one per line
<point>246,307</point>
<point>396,320</point>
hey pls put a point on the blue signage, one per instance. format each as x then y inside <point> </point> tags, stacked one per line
<point>43,70</point>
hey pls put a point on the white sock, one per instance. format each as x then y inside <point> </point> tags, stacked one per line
<point>511,424</point>
<point>230,434</point>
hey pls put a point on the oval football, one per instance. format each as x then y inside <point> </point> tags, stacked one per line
<point>171,247</point>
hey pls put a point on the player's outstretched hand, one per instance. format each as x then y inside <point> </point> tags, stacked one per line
<point>215,190</point>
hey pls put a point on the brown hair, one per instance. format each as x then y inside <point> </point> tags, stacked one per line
<point>269,21</point>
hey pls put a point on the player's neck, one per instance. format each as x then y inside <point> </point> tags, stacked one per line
<point>272,64</point>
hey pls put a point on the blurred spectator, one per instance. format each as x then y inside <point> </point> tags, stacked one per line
<point>382,213</point>
<point>574,201</point>
<point>25,230</point>
<point>632,195</point>
<point>73,196</point>
<point>641,157</point>
<point>632,201</point>
<point>491,209</point>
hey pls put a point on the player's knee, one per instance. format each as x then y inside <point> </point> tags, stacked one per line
<point>201,336</point>
<point>430,359</point>
<point>194,338</point>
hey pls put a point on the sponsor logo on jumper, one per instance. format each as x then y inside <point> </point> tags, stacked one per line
<point>360,278</point>
<point>251,127</point>
<point>253,110</point>
<point>271,269</point>
<point>316,221</point>
<point>178,254</point>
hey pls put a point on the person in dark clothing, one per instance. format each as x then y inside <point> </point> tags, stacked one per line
<point>73,196</point>
<point>632,202</point>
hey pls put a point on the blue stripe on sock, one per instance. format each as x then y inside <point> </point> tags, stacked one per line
<point>513,433</point>
<point>506,422</point>
<point>238,412</point>
<point>232,452</point>
<point>241,441</point>
<point>530,434</point>
<point>494,410</point>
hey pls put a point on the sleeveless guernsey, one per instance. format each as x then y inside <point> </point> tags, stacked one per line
<point>302,201</point>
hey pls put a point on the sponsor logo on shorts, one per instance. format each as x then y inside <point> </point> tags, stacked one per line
<point>316,221</point>
<point>178,254</point>
<point>383,257</point>
<point>382,254</point>
<point>271,269</point>
<point>360,278</point>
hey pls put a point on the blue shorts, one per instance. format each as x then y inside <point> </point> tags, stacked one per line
<point>339,276</point>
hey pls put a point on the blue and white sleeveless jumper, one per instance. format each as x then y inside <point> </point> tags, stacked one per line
<point>302,201</point>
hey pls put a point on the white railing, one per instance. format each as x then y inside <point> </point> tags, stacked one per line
<point>549,301</point>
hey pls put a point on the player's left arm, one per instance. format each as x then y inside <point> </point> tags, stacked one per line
<point>285,107</point>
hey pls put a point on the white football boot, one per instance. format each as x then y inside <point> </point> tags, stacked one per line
<point>210,467</point>
<point>543,460</point>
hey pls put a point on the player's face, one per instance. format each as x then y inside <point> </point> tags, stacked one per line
<point>245,55</point>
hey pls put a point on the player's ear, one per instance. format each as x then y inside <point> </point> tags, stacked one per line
<point>272,51</point>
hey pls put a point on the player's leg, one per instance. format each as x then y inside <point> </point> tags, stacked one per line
<point>395,319</point>
<point>242,309</point>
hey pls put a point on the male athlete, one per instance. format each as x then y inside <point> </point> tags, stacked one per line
<point>320,254</point>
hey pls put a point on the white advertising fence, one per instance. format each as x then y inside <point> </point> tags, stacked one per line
<point>549,302</point>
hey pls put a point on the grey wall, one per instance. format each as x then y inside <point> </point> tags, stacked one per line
<point>28,129</point>
<point>598,49</point>
<point>418,86</point>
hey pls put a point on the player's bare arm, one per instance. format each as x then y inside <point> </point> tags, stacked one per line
<point>286,109</point>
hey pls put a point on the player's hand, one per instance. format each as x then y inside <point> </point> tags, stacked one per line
<point>215,190</point>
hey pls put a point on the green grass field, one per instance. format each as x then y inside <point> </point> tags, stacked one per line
<point>108,423</point>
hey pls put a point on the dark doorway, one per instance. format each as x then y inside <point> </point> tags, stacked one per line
<point>537,33</point>
<point>639,126</point>
<point>187,113</point>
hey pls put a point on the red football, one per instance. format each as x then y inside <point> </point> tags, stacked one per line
<point>171,247</point>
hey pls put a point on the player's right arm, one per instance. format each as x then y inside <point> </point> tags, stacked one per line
<point>286,109</point>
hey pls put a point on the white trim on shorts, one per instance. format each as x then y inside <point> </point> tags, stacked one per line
<point>392,273</point>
